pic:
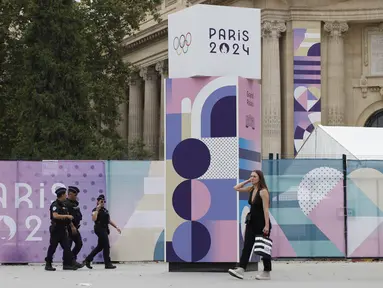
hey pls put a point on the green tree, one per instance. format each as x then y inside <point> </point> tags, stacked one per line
<point>54,120</point>
<point>64,77</point>
<point>10,21</point>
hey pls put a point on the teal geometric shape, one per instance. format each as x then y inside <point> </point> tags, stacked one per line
<point>299,232</point>
<point>359,204</point>
<point>159,250</point>
<point>316,249</point>
<point>286,216</point>
<point>281,184</point>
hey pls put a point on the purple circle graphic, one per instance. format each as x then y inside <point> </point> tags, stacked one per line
<point>191,241</point>
<point>314,50</point>
<point>182,200</point>
<point>191,158</point>
<point>191,200</point>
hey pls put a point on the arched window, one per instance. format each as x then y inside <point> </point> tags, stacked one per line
<point>375,120</point>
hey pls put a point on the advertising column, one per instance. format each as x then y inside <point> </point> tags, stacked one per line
<point>212,127</point>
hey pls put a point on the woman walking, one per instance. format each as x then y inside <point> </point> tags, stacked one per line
<point>257,223</point>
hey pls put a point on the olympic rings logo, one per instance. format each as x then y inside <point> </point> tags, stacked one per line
<point>181,44</point>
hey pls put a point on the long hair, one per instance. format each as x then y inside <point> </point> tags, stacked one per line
<point>261,182</point>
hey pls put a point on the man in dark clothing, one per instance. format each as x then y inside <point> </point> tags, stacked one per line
<point>74,236</point>
<point>60,221</point>
<point>101,218</point>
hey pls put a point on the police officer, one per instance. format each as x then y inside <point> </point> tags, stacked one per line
<point>101,218</point>
<point>60,220</point>
<point>73,207</point>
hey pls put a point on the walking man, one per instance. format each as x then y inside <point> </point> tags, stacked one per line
<point>72,204</point>
<point>60,221</point>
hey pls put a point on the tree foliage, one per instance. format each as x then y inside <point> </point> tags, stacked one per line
<point>62,77</point>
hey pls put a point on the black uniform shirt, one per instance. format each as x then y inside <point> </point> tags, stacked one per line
<point>59,207</point>
<point>103,217</point>
<point>74,210</point>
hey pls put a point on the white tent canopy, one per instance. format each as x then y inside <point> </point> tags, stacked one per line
<point>331,142</point>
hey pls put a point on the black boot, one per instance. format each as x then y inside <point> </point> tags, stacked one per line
<point>78,265</point>
<point>87,264</point>
<point>69,267</point>
<point>48,266</point>
<point>110,266</point>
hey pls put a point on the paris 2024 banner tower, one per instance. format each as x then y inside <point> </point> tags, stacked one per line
<point>212,131</point>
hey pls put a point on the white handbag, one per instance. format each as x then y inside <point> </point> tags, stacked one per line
<point>263,246</point>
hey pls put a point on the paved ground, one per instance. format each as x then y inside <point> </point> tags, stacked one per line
<point>137,275</point>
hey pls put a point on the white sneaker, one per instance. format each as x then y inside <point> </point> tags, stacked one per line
<point>265,275</point>
<point>237,272</point>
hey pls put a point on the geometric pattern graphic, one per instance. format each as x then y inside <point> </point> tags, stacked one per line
<point>26,192</point>
<point>315,187</point>
<point>135,198</point>
<point>306,199</point>
<point>202,159</point>
<point>307,80</point>
<point>222,167</point>
<point>137,205</point>
<point>200,123</point>
<point>306,209</point>
<point>365,205</point>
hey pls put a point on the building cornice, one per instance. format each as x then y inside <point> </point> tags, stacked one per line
<point>349,15</point>
<point>150,35</point>
<point>307,14</point>
<point>275,14</point>
<point>160,30</point>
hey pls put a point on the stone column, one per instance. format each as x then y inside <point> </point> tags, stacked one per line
<point>336,95</point>
<point>287,90</point>
<point>271,87</point>
<point>135,108</point>
<point>151,108</point>
<point>122,127</point>
<point>162,68</point>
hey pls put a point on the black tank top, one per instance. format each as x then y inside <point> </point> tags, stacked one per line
<point>257,219</point>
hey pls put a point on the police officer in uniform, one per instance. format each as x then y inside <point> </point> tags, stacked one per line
<point>73,207</point>
<point>101,218</point>
<point>60,220</point>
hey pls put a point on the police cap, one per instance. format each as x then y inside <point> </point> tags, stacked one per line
<point>73,189</point>
<point>101,197</point>
<point>60,191</point>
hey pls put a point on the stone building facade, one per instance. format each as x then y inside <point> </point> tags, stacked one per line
<point>322,62</point>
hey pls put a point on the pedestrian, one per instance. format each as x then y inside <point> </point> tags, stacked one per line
<point>60,221</point>
<point>101,218</point>
<point>72,204</point>
<point>257,223</point>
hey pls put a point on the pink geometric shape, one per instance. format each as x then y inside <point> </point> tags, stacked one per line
<point>303,99</point>
<point>246,86</point>
<point>200,200</point>
<point>325,216</point>
<point>187,87</point>
<point>304,123</point>
<point>372,246</point>
<point>223,241</point>
<point>281,245</point>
